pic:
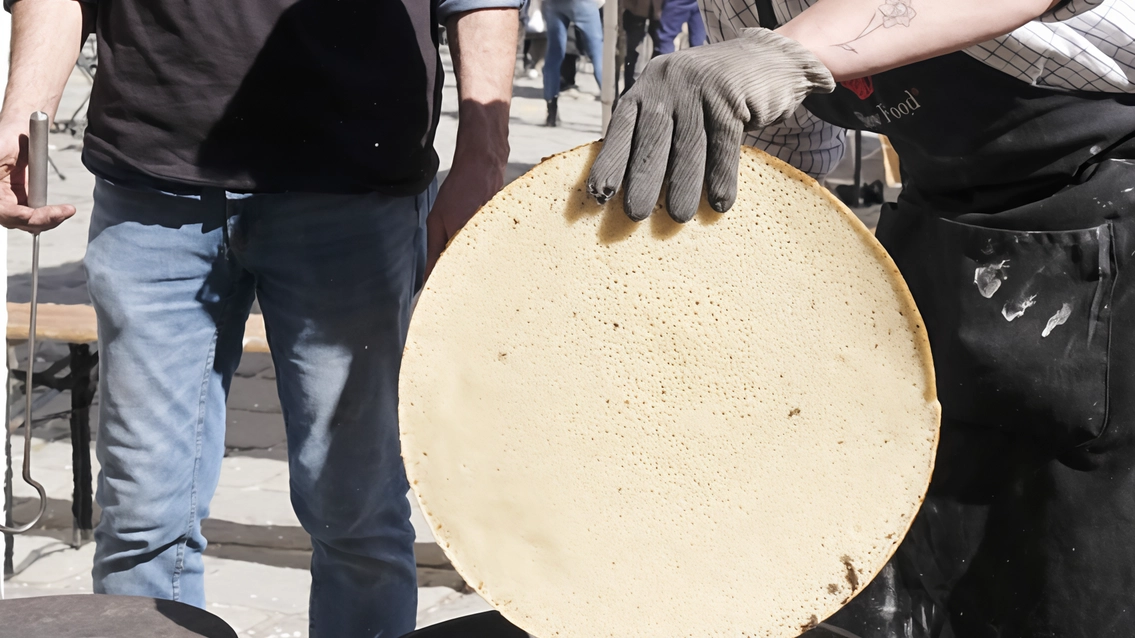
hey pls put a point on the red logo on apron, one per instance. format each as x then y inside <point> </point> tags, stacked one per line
<point>861,87</point>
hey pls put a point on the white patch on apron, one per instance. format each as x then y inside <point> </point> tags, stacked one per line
<point>1058,319</point>
<point>1014,309</point>
<point>988,278</point>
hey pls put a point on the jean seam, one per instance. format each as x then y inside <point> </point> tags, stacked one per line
<point>179,564</point>
<point>202,409</point>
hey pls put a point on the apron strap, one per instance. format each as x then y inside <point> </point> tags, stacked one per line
<point>766,15</point>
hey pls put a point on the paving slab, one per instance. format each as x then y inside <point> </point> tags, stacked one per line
<point>291,626</point>
<point>270,589</point>
<point>256,395</point>
<point>253,506</point>
<point>238,472</point>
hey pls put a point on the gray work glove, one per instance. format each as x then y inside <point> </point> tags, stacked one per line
<point>684,119</point>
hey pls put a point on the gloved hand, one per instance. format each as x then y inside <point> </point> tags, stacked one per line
<point>697,100</point>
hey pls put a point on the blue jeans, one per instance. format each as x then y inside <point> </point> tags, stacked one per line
<point>173,279</point>
<point>675,13</point>
<point>558,15</point>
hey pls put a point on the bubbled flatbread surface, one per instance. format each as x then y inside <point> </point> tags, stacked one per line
<point>722,428</point>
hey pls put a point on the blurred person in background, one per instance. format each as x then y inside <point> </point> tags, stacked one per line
<point>558,16</point>
<point>570,66</point>
<point>535,37</point>
<point>675,15</point>
<point>640,18</point>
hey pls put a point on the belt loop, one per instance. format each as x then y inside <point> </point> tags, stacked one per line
<point>214,198</point>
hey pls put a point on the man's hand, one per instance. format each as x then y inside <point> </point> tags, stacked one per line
<point>46,37</point>
<point>483,46</point>
<point>471,182</point>
<point>14,212</point>
<point>684,119</point>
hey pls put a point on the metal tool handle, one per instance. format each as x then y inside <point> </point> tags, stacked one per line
<point>37,197</point>
<point>37,160</point>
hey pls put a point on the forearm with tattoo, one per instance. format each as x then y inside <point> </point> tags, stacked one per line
<point>855,38</point>
<point>892,13</point>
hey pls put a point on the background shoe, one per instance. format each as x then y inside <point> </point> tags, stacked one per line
<point>553,113</point>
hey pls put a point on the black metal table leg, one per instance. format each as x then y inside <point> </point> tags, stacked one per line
<point>83,362</point>
<point>857,194</point>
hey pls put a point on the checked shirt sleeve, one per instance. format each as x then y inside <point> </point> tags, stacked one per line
<point>804,141</point>
<point>1068,9</point>
<point>446,9</point>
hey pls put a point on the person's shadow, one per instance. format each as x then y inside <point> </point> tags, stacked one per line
<point>62,284</point>
<point>489,624</point>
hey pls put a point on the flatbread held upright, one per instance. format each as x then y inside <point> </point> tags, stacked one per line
<point>655,430</point>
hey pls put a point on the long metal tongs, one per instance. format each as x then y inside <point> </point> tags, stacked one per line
<point>37,198</point>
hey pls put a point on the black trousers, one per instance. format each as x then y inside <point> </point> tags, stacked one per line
<point>637,28</point>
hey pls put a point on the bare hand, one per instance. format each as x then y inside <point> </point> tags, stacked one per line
<point>14,212</point>
<point>467,187</point>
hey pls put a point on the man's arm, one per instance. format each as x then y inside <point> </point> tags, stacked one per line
<point>483,46</point>
<point>46,38</point>
<point>855,38</point>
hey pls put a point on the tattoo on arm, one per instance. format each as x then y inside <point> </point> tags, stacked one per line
<point>891,13</point>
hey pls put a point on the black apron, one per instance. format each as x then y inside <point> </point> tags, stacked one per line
<point>1015,231</point>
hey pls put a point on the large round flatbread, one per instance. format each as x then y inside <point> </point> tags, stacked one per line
<point>722,428</point>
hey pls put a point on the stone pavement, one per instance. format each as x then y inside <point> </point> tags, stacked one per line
<point>256,563</point>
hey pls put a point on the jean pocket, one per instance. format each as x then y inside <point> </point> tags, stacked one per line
<point>1025,329</point>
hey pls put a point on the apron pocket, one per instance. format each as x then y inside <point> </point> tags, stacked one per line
<point>1021,336</point>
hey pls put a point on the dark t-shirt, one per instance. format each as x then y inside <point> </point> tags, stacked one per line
<point>267,95</point>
